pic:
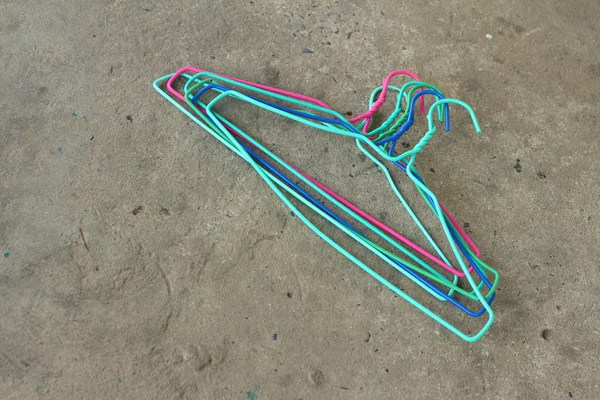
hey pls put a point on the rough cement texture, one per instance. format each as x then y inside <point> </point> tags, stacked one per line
<point>192,264</point>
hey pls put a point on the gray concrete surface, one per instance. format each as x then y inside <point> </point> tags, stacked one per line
<point>181,299</point>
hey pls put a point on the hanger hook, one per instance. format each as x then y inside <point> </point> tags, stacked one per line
<point>410,119</point>
<point>382,96</point>
<point>453,101</point>
<point>425,139</point>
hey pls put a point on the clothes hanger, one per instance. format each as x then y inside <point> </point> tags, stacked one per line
<point>227,131</point>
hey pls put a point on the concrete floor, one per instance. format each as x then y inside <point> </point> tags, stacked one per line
<point>181,299</point>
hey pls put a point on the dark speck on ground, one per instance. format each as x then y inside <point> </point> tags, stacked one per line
<point>541,175</point>
<point>517,166</point>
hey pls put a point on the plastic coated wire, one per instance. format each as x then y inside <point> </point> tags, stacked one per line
<point>382,97</point>
<point>453,223</point>
<point>331,242</point>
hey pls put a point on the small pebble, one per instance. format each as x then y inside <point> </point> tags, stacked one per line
<point>488,36</point>
<point>546,334</point>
